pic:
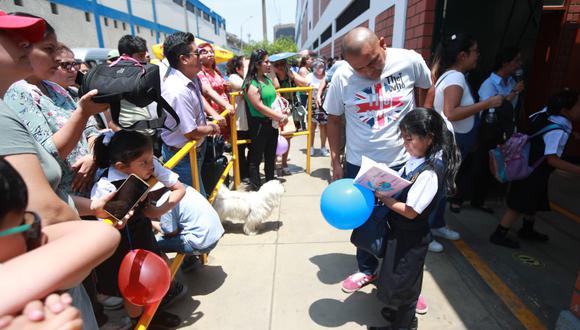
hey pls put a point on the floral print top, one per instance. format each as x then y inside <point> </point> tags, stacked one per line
<point>216,81</point>
<point>44,115</point>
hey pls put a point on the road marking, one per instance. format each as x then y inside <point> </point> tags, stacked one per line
<point>510,299</point>
<point>563,211</point>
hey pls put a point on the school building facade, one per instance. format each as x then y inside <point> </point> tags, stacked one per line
<point>101,23</point>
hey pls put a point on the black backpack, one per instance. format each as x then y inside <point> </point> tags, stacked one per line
<point>136,82</point>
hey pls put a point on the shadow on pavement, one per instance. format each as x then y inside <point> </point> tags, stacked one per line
<point>238,227</point>
<point>359,307</point>
<point>334,267</point>
<point>321,173</point>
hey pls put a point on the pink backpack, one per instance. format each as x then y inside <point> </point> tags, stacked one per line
<point>510,161</point>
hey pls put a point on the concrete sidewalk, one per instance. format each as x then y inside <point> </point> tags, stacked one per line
<point>288,276</point>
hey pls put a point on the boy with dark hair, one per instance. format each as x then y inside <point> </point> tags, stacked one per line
<point>135,47</point>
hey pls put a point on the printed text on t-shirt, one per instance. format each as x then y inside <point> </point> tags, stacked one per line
<point>378,105</point>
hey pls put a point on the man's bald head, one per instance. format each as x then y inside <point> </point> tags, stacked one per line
<point>355,40</point>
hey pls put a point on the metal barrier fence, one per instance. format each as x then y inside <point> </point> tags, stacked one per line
<point>189,148</point>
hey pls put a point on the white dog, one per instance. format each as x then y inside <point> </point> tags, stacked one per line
<point>252,207</point>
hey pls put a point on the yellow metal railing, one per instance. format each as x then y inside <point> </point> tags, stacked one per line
<point>307,132</point>
<point>150,310</point>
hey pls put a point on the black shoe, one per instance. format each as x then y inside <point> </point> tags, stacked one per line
<point>190,263</point>
<point>379,328</point>
<point>532,235</point>
<point>503,240</point>
<point>175,292</point>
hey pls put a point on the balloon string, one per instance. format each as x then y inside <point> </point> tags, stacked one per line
<point>129,237</point>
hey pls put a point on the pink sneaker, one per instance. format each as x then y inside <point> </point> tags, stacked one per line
<point>356,281</point>
<point>422,307</point>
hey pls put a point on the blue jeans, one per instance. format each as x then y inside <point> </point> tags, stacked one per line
<point>180,245</point>
<point>367,263</point>
<point>183,169</point>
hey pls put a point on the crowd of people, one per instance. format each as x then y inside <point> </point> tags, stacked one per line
<point>63,156</point>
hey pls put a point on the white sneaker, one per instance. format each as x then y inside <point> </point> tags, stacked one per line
<point>446,233</point>
<point>312,151</point>
<point>324,152</point>
<point>435,246</point>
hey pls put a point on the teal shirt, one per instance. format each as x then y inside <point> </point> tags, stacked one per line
<point>268,94</point>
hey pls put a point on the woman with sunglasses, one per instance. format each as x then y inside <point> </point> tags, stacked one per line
<point>49,112</point>
<point>68,70</point>
<point>214,87</point>
<point>29,250</point>
<point>260,95</point>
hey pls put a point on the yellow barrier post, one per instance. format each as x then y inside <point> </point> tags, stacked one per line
<point>311,133</point>
<point>234,138</point>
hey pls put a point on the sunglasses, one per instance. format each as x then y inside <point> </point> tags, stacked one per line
<point>69,65</point>
<point>205,51</point>
<point>30,228</point>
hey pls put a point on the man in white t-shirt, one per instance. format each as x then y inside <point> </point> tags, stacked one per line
<point>374,92</point>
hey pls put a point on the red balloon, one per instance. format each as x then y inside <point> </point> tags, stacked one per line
<point>144,277</point>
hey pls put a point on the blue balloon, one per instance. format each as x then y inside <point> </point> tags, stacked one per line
<point>346,205</point>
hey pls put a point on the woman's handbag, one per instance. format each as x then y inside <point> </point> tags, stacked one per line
<point>299,112</point>
<point>372,235</point>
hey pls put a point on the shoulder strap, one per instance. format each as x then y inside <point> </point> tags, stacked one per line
<point>548,128</point>
<point>448,72</point>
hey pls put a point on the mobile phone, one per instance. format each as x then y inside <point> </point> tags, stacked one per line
<point>127,196</point>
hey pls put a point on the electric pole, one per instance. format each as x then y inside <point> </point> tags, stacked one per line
<point>264,24</point>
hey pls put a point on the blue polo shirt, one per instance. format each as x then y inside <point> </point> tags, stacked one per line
<point>495,85</point>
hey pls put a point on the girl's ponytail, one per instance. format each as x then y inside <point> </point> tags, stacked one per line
<point>450,155</point>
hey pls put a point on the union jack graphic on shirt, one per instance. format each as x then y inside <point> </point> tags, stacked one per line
<point>377,107</point>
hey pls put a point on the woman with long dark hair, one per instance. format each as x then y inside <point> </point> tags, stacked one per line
<point>456,56</point>
<point>260,95</point>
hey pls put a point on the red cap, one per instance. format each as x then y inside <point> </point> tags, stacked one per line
<point>30,28</point>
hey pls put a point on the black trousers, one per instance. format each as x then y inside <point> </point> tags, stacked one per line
<point>243,159</point>
<point>264,142</point>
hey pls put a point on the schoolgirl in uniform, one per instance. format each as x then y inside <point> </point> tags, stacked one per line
<point>530,195</point>
<point>430,145</point>
<point>122,154</point>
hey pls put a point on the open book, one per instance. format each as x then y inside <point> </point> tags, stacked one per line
<point>377,176</point>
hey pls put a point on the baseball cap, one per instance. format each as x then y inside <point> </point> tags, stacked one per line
<point>30,28</point>
<point>113,54</point>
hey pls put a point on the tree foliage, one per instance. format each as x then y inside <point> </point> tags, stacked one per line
<point>280,45</point>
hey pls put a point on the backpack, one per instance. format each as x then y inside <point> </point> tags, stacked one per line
<point>133,81</point>
<point>511,160</point>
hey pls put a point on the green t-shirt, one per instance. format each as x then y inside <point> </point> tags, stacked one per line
<point>268,94</point>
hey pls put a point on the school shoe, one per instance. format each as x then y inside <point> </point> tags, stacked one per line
<point>528,232</point>
<point>324,152</point>
<point>446,233</point>
<point>356,281</point>
<point>285,171</point>
<point>502,239</point>
<point>435,246</point>
<point>176,291</point>
<point>532,235</point>
<point>422,307</point>
<point>190,262</point>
